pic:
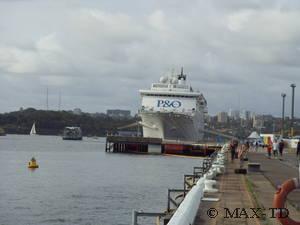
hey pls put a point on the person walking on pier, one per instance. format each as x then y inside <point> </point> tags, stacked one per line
<point>269,147</point>
<point>256,146</point>
<point>298,150</point>
<point>275,148</point>
<point>281,147</point>
<point>243,151</point>
<point>233,146</point>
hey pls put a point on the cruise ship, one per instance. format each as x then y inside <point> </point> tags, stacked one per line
<point>172,110</point>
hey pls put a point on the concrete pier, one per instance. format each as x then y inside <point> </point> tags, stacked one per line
<point>238,198</point>
<point>233,194</point>
<point>254,190</point>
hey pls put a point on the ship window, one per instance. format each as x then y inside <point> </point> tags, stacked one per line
<point>160,85</point>
<point>174,96</point>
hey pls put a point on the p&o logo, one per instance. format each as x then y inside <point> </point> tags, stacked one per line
<point>168,103</point>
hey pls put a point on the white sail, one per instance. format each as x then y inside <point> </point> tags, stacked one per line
<point>33,131</point>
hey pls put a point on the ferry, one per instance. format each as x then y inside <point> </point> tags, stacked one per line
<point>172,110</point>
<point>72,133</point>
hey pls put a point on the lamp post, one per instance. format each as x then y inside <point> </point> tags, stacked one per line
<point>292,112</point>
<point>283,95</point>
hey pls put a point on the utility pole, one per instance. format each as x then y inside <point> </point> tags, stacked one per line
<point>292,112</point>
<point>283,95</point>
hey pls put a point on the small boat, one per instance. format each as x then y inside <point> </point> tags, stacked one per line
<point>72,133</point>
<point>32,164</point>
<point>33,131</point>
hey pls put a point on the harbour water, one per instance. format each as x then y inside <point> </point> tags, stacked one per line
<point>78,183</point>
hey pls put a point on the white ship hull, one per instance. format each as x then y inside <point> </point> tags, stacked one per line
<point>172,110</point>
<point>173,126</point>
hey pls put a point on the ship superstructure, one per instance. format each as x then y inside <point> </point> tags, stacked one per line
<point>172,110</point>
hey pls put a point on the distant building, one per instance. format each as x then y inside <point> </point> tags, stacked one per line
<point>118,113</point>
<point>207,118</point>
<point>258,121</point>
<point>230,113</point>
<point>252,115</point>
<point>77,111</point>
<point>245,115</point>
<point>234,114</point>
<point>268,118</point>
<point>222,117</point>
<point>97,115</point>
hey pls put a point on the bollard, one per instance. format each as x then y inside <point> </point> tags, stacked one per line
<point>134,217</point>
<point>209,186</point>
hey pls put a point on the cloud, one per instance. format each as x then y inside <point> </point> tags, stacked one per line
<point>103,52</point>
<point>157,20</point>
<point>44,56</point>
<point>49,43</point>
<point>15,60</point>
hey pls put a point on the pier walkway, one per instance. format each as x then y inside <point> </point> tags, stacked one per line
<point>273,173</point>
<point>254,190</point>
<point>232,194</point>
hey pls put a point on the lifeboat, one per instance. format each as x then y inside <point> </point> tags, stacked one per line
<point>32,164</point>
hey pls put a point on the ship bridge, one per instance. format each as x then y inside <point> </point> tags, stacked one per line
<point>172,94</point>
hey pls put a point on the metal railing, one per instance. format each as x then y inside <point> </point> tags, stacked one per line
<point>192,191</point>
<point>137,214</point>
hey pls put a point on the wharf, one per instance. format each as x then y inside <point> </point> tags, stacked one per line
<point>254,190</point>
<point>122,144</point>
<point>233,194</point>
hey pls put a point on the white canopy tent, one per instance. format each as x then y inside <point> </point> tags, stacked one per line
<point>254,135</point>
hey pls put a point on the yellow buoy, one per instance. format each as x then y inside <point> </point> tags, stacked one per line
<point>32,164</point>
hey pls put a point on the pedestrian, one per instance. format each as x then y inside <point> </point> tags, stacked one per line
<point>243,151</point>
<point>236,145</point>
<point>232,150</point>
<point>281,147</point>
<point>275,148</point>
<point>298,149</point>
<point>247,146</point>
<point>256,146</point>
<point>269,147</point>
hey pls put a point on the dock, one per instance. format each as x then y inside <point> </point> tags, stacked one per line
<point>237,198</point>
<point>254,190</point>
<point>147,145</point>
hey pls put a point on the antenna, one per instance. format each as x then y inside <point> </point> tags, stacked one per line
<point>47,106</point>
<point>182,76</point>
<point>239,101</point>
<point>59,100</point>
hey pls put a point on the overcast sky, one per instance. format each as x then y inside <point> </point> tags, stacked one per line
<point>239,54</point>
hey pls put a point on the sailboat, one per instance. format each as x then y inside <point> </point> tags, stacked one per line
<point>33,131</point>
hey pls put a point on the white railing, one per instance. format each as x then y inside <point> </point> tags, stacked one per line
<point>186,212</point>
